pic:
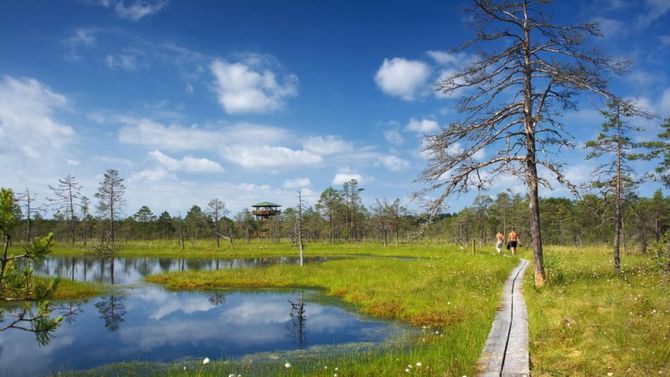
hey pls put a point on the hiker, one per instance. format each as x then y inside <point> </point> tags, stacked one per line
<point>513,241</point>
<point>500,238</point>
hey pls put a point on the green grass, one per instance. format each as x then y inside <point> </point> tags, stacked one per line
<point>75,290</point>
<point>590,321</point>
<point>453,292</point>
<point>256,248</point>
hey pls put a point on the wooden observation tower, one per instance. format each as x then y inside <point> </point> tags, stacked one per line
<point>264,212</point>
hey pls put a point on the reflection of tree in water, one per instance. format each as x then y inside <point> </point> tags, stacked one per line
<point>165,264</point>
<point>144,267</point>
<point>195,264</point>
<point>296,325</point>
<point>112,310</point>
<point>69,311</point>
<point>217,299</point>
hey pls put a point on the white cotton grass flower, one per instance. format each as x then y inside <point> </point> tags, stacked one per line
<point>418,364</point>
<point>287,365</point>
<point>406,370</point>
<point>205,361</point>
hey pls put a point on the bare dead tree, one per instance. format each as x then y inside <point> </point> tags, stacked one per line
<point>27,202</point>
<point>66,193</point>
<point>299,226</point>
<point>217,210</point>
<point>511,99</point>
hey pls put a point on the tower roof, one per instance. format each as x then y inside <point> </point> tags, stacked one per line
<point>266,204</point>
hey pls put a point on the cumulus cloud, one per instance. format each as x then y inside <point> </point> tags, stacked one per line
<point>250,86</point>
<point>345,175</point>
<point>422,126</point>
<point>133,10</point>
<point>402,78</point>
<point>27,125</point>
<point>394,137</point>
<point>151,175</point>
<point>181,138</point>
<point>326,145</point>
<point>393,163</point>
<point>269,156</point>
<point>295,183</point>
<point>186,164</point>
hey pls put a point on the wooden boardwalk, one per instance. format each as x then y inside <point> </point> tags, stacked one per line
<point>506,350</point>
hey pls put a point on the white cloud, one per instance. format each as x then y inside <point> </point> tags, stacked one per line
<point>133,10</point>
<point>394,163</point>
<point>269,156</point>
<point>402,78</point>
<point>27,127</point>
<point>456,149</point>
<point>422,126</point>
<point>151,175</point>
<point>181,138</point>
<point>83,37</point>
<point>125,62</point>
<point>654,9</point>
<point>345,176</point>
<point>186,164</point>
<point>73,162</point>
<point>394,137</point>
<point>295,183</point>
<point>248,145</point>
<point>612,28</point>
<point>326,145</point>
<point>456,59</point>
<point>249,87</point>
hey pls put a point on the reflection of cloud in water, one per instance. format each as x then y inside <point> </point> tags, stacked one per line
<point>20,351</point>
<point>257,313</point>
<point>167,303</point>
<point>162,325</point>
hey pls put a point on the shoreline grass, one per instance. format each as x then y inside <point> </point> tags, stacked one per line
<point>590,321</point>
<point>264,248</point>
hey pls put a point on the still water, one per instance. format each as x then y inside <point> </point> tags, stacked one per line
<point>142,322</point>
<point>133,270</point>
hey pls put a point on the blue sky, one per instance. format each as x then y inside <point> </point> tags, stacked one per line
<point>249,100</point>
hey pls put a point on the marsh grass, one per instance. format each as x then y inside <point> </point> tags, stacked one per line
<point>74,290</point>
<point>455,294</point>
<point>590,321</point>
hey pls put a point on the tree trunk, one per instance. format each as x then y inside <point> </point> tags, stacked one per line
<point>531,164</point>
<point>535,230</point>
<point>619,212</point>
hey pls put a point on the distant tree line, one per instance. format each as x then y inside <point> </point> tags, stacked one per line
<point>339,215</point>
